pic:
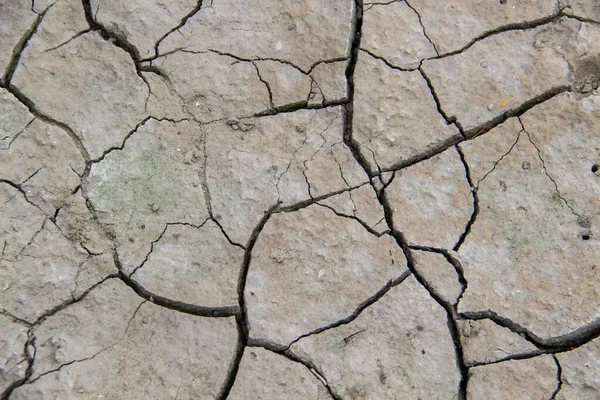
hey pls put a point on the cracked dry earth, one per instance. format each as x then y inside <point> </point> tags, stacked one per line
<point>300,199</point>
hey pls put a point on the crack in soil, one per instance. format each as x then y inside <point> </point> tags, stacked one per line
<point>378,181</point>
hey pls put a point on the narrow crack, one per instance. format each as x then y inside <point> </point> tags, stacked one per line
<point>479,130</point>
<point>382,197</point>
<point>518,26</point>
<point>357,311</point>
<point>556,344</point>
<point>539,154</point>
<point>123,142</point>
<point>423,27</point>
<point>267,85</point>
<point>160,236</point>
<point>183,21</point>
<point>449,120</point>
<point>118,39</point>
<point>311,366</point>
<point>16,320</point>
<point>77,35</point>
<point>460,272</point>
<point>231,242</point>
<point>18,134</point>
<point>55,310</point>
<point>30,359</point>
<point>432,151</point>
<point>92,356</point>
<point>582,19</point>
<point>27,102</point>
<point>309,202</point>
<point>186,308</point>
<point>367,227</point>
<point>242,323</point>
<point>19,187</point>
<point>300,105</point>
<point>20,47</point>
<point>473,217</point>
<point>500,159</point>
<point>254,59</point>
<point>558,378</point>
<point>516,112</point>
<point>388,63</point>
<point>512,357</point>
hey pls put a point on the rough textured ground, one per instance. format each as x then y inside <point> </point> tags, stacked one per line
<point>300,199</point>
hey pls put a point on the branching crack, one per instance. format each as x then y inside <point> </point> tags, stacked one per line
<point>361,307</point>
<point>92,356</point>
<point>365,225</point>
<point>49,120</point>
<point>556,344</point>
<point>19,187</point>
<point>499,160</point>
<point>423,27</point>
<point>307,203</point>
<point>316,371</point>
<point>72,300</point>
<point>118,39</point>
<point>183,21</point>
<point>29,351</point>
<point>460,272</point>
<point>388,63</point>
<point>479,130</point>
<point>243,326</point>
